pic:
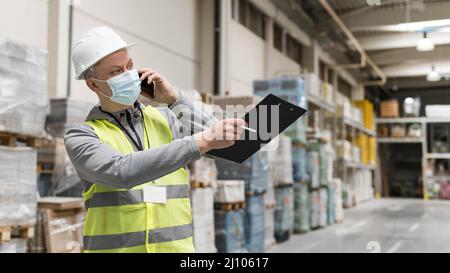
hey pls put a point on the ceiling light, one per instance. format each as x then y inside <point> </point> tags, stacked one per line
<point>433,76</point>
<point>425,44</point>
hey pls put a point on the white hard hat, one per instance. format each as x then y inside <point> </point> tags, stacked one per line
<point>93,46</point>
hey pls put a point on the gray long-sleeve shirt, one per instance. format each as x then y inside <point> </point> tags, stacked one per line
<point>97,162</point>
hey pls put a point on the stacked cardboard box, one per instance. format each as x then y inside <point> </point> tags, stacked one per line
<point>24,99</point>
<point>337,197</point>
<point>202,202</point>
<point>204,172</point>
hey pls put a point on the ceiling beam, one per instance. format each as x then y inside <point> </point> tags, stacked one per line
<point>411,55</point>
<point>400,40</point>
<point>378,16</point>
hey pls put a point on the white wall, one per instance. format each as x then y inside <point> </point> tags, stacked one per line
<point>167,33</point>
<point>24,21</point>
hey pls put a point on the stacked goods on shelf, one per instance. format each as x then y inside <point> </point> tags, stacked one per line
<point>18,192</point>
<point>344,150</point>
<point>312,84</point>
<point>254,171</point>
<point>362,142</point>
<point>255,224</point>
<point>230,192</point>
<point>323,169</point>
<point>314,209</point>
<point>299,162</point>
<point>367,109</point>
<point>338,201</point>
<point>344,106</point>
<point>323,201</point>
<point>437,111</point>
<point>24,101</point>
<point>284,213</point>
<point>327,92</point>
<point>313,168</point>
<point>269,220</point>
<point>202,202</point>
<point>203,173</point>
<point>59,227</point>
<point>230,235</point>
<point>65,181</point>
<point>390,109</point>
<point>362,185</point>
<point>302,204</point>
<point>281,162</point>
<point>347,196</point>
<point>292,90</point>
<point>66,113</point>
<point>331,203</point>
<point>203,178</point>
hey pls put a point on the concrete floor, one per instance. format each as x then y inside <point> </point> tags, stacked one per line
<point>386,225</point>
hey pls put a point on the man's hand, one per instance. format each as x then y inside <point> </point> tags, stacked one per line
<point>223,134</point>
<point>164,92</point>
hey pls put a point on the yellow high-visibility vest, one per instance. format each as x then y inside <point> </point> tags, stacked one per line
<point>119,220</point>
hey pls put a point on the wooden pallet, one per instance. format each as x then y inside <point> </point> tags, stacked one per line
<point>22,231</point>
<point>12,140</point>
<point>230,206</point>
<point>270,206</point>
<point>199,185</point>
<point>207,98</point>
<point>45,168</point>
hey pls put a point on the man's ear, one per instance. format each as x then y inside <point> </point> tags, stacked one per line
<point>92,85</point>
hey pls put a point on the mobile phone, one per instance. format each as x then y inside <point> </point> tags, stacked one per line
<point>148,88</point>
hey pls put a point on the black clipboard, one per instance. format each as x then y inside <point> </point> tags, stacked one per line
<point>245,148</point>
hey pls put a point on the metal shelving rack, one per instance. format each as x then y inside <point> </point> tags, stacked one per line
<point>426,155</point>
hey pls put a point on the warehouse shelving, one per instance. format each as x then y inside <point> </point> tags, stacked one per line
<point>426,155</point>
<point>321,103</point>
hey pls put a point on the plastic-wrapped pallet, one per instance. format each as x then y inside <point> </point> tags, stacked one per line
<point>14,246</point>
<point>323,161</point>
<point>323,216</point>
<point>204,171</point>
<point>313,166</point>
<point>299,162</point>
<point>347,195</point>
<point>24,102</point>
<point>269,196</point>
<point>18,186</point>
<point>301,208</point>
<point>202,201</point>
<point>331,210</point>
<point>66,113</point>
<point>315,209</point>
<point>230,235</point>
<point>65,178</point>
<point>281,162</point>
<point>293,90</point>
<point>362,185</point>
<point>254,171</point>
<point>229,191</point>
<point>254,224</point>
<point>284,213</point>
<point>337,197</point>
<point>270,227</point>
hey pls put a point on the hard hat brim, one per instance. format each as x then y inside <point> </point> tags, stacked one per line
<point>82,74</point>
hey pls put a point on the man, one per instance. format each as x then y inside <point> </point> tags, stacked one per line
<point>131,157</point>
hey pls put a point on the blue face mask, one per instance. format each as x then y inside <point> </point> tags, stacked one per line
<point>125,87</point>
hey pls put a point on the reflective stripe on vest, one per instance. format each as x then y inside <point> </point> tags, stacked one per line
<point>118,220</point>
<point>136,238</point>
<point>132,197</point>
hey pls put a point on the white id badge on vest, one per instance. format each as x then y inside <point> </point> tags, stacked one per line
<point>157,195</point>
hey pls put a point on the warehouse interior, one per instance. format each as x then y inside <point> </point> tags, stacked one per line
<point>365,170</point>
